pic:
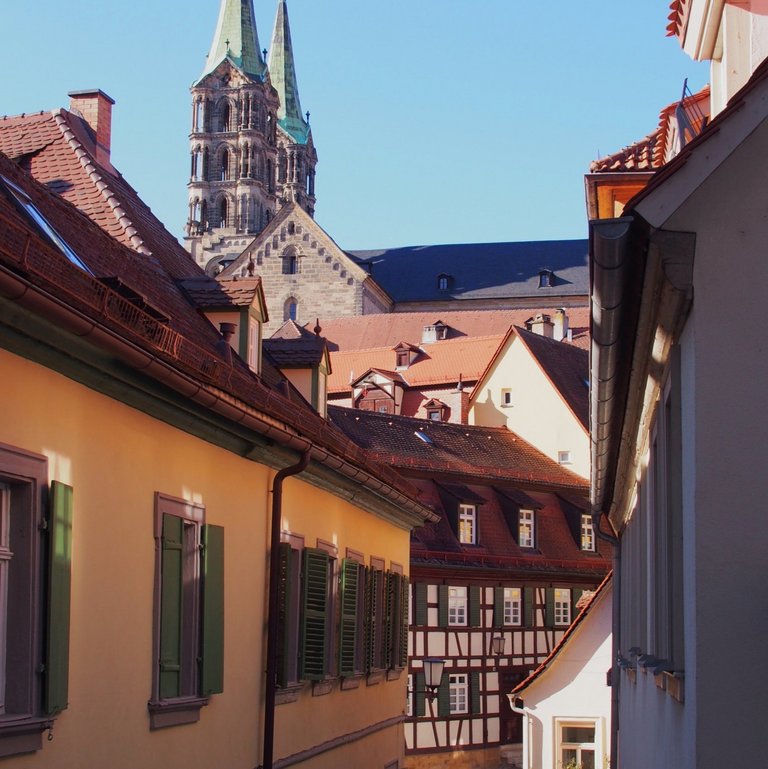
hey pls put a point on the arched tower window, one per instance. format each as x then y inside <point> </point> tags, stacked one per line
<point>204,216</point>
<point>291,309</point>
<point>198,118</point>
<point>224,212</point>
<point>225,165</point>
<point>290,261</point>
<point>206,164</point>
<point>226,117</point>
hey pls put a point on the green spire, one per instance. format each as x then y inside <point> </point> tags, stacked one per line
<point>283,75</point>
<point>236,38</point>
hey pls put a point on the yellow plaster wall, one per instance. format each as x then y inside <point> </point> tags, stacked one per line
<point>116,458</point>
<point>538,413</point>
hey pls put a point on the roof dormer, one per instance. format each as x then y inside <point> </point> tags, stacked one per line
<point>436,332</point>
<point>378,390</point>
<point>405,354</point>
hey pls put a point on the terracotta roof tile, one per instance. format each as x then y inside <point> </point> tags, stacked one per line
<point>438,363</point>
<point>369,331</point>
<point>57,148</point>
<point>296,353</point>
<point>207,292</point>
<point>467,450</point>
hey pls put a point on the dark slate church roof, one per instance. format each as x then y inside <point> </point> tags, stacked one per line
<point>479,270</point>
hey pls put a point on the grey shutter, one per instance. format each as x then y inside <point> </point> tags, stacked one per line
<point>419,696</point>
<point>549,612</point>
<point>498,607</point>
<point>528,609</point>
<point>576,594</point>
<point>212,668</point>
<point>442,605</point>
<point>444,698</point>
<point>59,592</point>
<point>284,589</point>
<point>420,613</point>
<point>474,605</point>
<point>474,691</point>
<point>403,660</point>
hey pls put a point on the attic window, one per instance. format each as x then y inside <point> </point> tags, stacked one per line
<point>403,358</point>
<point>444,282</point>
<point>546,278</point>
<point>43,225</point>
<point>422,436</point>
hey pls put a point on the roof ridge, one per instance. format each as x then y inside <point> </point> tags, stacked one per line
<point>428,422</point>
<point>89,166</point>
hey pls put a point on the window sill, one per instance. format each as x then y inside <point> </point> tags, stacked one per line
<point>176,712</point>
<point>351,682</point>
<point>506,405</point>
<point>289,693</point>
<point>22,734</point>
<point>321,688</point>
<point>376,677</point>
<point>674,683</point>
<point>394,674</point>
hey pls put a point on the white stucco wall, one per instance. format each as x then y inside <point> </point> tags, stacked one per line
<point>573,690</point>
<point>537,412</point>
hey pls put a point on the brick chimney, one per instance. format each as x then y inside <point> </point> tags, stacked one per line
<point>95,107</point>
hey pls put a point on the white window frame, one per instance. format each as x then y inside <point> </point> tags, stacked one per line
<point>409,696</point>
<point>587,533</point>
<point>562,745</point>
<point>562,608</point>
<point>458,600</point>
<point>458,693</point>
<point>527,528</point>
<point>564,457</point>
<point>506,396</point>
<point>513,606</point>
<point>467,524</point>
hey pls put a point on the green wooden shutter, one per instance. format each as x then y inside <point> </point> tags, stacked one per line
<point>372,611</point>
<point>390,632</point>
<point>576,594</point>
<point>314,638</point>
<point>172,576</point>
<point>420,613</point>
<point>474,691</point>
<point>212,667</point>
<point>444,698</point>
<point>549,612</point>
<point>403,661</point>
<point>528,617</point>
<point>350,586</point>
<point>442,605</point>
<point>474,605</point>
<point>498,607</point>
<point>284,590</point>
<point>59,590</point>
<point>419,695</point>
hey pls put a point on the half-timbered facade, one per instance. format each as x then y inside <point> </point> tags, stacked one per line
<point>504,566</point>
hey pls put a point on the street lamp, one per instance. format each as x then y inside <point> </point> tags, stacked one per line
<point>433,674</point>
<point>498,646</point>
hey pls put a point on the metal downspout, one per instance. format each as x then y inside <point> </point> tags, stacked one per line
<point>272,606</point>
<point>615,629</point>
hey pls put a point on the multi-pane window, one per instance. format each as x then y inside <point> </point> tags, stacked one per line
<point>577,745</point>
<point>562,606</point>
<point>467,524</point>
<point>458,692</point>
<point>512,606</point>
<point>526,528</point>
<point>587,533</point>
<point>457,605</point>
<point>189,577</point>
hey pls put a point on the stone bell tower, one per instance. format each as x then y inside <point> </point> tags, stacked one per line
<point>250,148</point>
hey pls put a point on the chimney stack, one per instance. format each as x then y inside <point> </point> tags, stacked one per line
<point>561,325</point>
<point>541,325</point>
<point>95,107</point>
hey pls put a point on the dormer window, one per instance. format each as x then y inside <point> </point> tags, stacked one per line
<point>444,282</point>
<point>436,410</point>
<point>437,332</point>
<point>526,531</point>
<point>546,278</point>
<point>402,358</point>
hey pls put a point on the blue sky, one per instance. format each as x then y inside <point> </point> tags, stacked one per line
<point>435,121</point>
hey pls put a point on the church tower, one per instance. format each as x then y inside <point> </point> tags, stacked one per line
<point>251,150</point>
<point>296,151</point>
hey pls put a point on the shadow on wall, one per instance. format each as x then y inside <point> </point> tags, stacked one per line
<point>487,413</point>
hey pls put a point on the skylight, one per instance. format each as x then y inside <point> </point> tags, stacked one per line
<point>422,436</point>
<point>43,225</point>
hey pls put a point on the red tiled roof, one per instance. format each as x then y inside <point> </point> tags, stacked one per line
<point>586,608</point>
<point>370,331</point>
<point>678,16</point>
<point>438,363</point>
<point>652,152</point>
<point>207,292</point>
<point>453,449</point>
<point>295,353</point>
<point>58,149</point>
